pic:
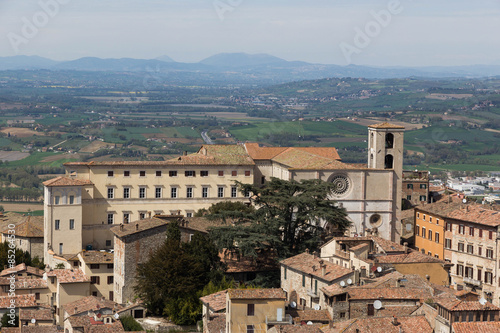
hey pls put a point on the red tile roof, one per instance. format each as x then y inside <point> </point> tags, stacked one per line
<point>90,303</point>
<point>22,268</point>
<point>413,324</point>
<point>65,181</point>
<point>32,227</point>
<point>388,246</point>
<point>23,283</point>
<point>364,293</point>
<point>309,264</point>
<point>470,212</point>
<point>21,301</point>
<point>272,293</point>
<point>39,314</point>
<point>459,305</point>
<point>407,258</point>
<point>97,257</point>
<point>68,275</point>
<point>386,125</point>
<point>216,301</point>
<point>476,327</point>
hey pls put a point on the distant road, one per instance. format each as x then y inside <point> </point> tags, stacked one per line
<point>205,138</point>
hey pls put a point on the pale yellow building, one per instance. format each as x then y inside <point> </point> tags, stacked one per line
<point>82,207</point>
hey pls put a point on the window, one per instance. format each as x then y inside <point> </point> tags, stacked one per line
<point>76,263</point>
<point>126,173</point>
<point>247,173</point>
<point>370,310</point>
<point>408,197</point>
<point>491,235</point>
<point>423,218</point>
<point>142,173</point>
<point>37,296</point>
<point>110,279</point>
<point>57,224</point>
<point>110,218</point>
<point>172,173</point>
<point>423,186</point>
<point>460,247</point>
<point>250,329</point>
<point>142,216</point>
<point>158,192</point>
<point>429,254</point>
<point>221,173</point>
<point>470,249</point>
<point>111,173</point>
<point>436,256</point>
<point>111,192</point>
<point>461,229</point>
<point>447,243</point>
<point>233,192</point>
<point>95,280</point>
<point>423,198</point>
<point>57,199</point>
<point>418,215</point>
<point>430,234</point>
<point>423,251</point>
<point>424,234</point>
<point>189,173</point>
<point>94,293</point>
<point>110,266</point>
<point>94,266</point>
<point>409,186</point>
<point>158,173</point>
<point>488,277</point>
<point>126,217</point>
<point>108,242</point>
<point>284,269</point>
<point>204,173</point>
<point>71,224</point>
<point>173,192</point>
<point>247,194</point>
<point>437,221</point>
<point>430,219</point>
<point>303,280</point>
<point>342,315</point>
<point>417,230</point>
<point>389,162</point>
<point>60,248</point>
<point>489,253</point>
<point>71,199</point>
<point>220,192</point>
<point>189,192</point>
<point>460,270</point>
<point>480,233</point>
<point>142,192</point>
<point>126,193</point>
<point>389,140</point>
<point>471,231</point>
<point>190,214</point>
<point>250,309</point>
<point>234,173</point>
<point>436,237</point>
<point>204,192</point>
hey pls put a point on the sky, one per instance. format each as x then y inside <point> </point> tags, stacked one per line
<point>363,32</point>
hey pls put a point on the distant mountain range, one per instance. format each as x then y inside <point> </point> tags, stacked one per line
<point>245,67</point>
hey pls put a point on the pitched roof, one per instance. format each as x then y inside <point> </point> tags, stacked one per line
<point>309,264</point>
<point>470,212</point>
<point>21,301</point>
<point>315,328</point>
<point>311,315</point>
<point>40,329</point>
<point>22,268</point>
<point>388,246</point>
<point>216,301</point>
<point>68,275</point>
<point>388,293</point>
<point>25,283</point>
<point>38,314</point>
<point>97,257</point>
<point>90,303</point>
<point>66,181</point>
<point>413,324</point>
<point>217,323</point>
<point>32,227</point>
<point>386,125</point>
<point>407,258</point>
<point>127,229</point>
<point>271,293</point>
<point>459,305</point>
<point>476,326</point>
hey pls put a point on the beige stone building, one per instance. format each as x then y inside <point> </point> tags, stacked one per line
<point>81,207</point>
<point>29,236</point>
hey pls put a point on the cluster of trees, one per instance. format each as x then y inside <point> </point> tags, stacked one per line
<point>20,194</point>
<point>21,257</point>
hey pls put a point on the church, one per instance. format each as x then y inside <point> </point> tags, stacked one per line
<point>81,207</point>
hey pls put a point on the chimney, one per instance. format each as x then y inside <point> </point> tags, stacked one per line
<point>323,270</point>
<point>315,254</point>
<point>314,268</point>
<point>185,153</point>
<point>395,321</point>
<point>307,251</point>
<point>76,309</point>
<point>121,226</point>
<point>398,283</point>
<point>137,226</point>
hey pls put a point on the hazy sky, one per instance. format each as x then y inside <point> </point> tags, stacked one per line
<point>417,33</point>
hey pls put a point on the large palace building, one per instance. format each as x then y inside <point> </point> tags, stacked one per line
<point>81,207</point>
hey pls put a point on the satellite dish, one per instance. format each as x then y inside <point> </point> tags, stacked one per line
<point>377,305</point>
<point>309,322</point>
<point>349,281</point>
<point>33,320</point>
<point>379,269</point>
<point>482,301</point>
<point>464,200</point>
<point>342,283</point>
<point>293,305</point>
<point>317,307</point>
<point>116,316</point>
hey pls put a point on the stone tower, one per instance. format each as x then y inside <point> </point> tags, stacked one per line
<point>385,152</point>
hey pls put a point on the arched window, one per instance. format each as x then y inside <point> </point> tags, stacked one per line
<point>389,140</point>
<point>389,161</point>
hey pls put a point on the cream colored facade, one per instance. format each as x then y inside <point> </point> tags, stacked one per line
<point>81,207</point>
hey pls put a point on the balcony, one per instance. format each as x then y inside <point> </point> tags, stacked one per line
<point>473,282</point>
<point>273,320</point>
<point>312,293</point>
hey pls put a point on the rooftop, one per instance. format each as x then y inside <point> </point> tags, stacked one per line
<point>272,293</point>
<point>21,268</point>
<point>216,301</point>
<point>68,275</point>
<point>139,226</point>
<point>388,293</point>
<point>90,303</point>
<point>459,305</point>
<point>310,264</point>
<point>25,283</point>
<point>66,181</point>
<point>469,212</point>
<point>386,125</point>
<point>40,314</point>
<point>476,326</point>
<point>32,227</point>
<point>97,257</point>
<point>413,324</point>
<point>407,258</point>
<point>20,301</point>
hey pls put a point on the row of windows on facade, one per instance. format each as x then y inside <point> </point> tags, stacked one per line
<point>410,186</point>
<point>468,272</point>
<point>461,227</point>
<point>421,198</point>
<point>188,173</point>
<point>174,192</point>
<point>468,316</point>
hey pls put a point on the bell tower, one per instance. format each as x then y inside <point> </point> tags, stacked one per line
<point>385,152</point>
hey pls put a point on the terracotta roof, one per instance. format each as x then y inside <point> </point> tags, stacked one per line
<point>89,303</point>
<point>21,268</point>
<point>476,326</point>
<point>315,328</point>
<point>388,246</point>
<point>388,293</point>
<point>68,275</point>
<point>470,212</point>
<point>32,227</point>
<point>272,293</point>
<point>311,315</point>
<point>25,282</point>
<point>386,125</point>
<point>217,324</point>
<point>40,314</point>
<point>97,257</point>
<point>21,301</point>
<point>11,330</point>
<point>127,229</point>
<point>262,153</point>
<point>407,258</point>
<point>459,305</point>
<point>40,329</point>
<point>216,301</point>
<point>413,324</point>
<point>305,263</point>
<point>115,327</point>
<point>407,214</point>
<point>65,181</point>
